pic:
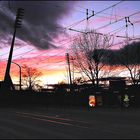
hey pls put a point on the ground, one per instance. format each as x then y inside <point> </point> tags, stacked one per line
<point>63,123</point>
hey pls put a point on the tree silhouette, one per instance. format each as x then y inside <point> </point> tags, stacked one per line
<point>30,77</point>
<point>129,56</point>
<point>131,60</point>
<point>89,52</point>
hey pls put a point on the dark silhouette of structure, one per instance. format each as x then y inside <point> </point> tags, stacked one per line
<point>8,84</point>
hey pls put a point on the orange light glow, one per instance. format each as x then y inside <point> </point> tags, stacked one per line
<point>92,101</point>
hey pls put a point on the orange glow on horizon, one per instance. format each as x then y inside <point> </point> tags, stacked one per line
<point>52,73</point>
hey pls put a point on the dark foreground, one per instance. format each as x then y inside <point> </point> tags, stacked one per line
<point>59,123</point>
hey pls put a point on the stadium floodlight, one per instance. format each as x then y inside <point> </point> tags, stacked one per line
<point>19,16</point>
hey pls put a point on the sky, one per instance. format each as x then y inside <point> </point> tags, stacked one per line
<point>44,37</point>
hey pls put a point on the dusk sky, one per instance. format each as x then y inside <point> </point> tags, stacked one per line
<point>45,38</point>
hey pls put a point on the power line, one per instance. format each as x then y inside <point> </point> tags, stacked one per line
<point>24,53</point>
<point>49,69</point>
<point>41,53</point>
<point>117,20</point>
<point>121,42</point>
<point>116,30</point>
<point>46,59</point>
<point>96,12</point>
<point>74,24</point>
<point>21,53</point>
<point>8,52</point>
<point>122,28</point>
<point>106,9</point>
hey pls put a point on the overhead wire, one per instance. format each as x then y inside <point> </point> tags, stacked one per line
<point>20,54</point>
<point>48,57</point>
<point>24,53</point>
<point>107,8</point>
<point>74,24</point>
<point>117,20</point>
<point>8,52</point>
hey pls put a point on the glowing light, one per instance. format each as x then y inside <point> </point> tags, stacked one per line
<point>92,101</point>
<point>126,98</point>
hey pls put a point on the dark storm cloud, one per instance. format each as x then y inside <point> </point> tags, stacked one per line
<point>40,21</point>
<point>128,55</point>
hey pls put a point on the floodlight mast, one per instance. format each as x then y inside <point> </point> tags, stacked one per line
<point>7,79</point>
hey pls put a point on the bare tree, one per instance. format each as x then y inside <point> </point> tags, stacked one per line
<point>30,77</point>
<point>89,51</point>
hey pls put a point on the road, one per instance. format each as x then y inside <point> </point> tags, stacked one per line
<point>63,123</point>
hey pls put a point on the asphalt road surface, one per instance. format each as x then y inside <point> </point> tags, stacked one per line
<point>63,123</point>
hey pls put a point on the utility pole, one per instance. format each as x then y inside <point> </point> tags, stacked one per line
<point>72,67</point>
<point>68,61</point>
<point>7,79</point>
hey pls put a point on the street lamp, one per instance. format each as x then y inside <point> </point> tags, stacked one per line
<point>19,74</point>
